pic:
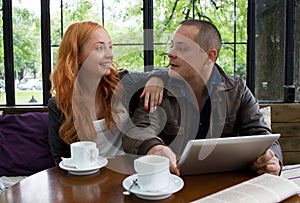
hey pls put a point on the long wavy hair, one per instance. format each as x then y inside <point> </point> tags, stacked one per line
<point>64,76</point>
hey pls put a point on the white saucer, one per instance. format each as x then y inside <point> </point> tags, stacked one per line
<point>176,183</point>
<point>101,162</point>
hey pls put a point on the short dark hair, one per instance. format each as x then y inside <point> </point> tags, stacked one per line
<point>208,36</point>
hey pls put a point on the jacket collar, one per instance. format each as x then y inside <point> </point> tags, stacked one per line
<point>218,81</point>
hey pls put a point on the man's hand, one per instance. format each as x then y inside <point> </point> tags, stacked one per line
<point>267,163</point>
<point>165,151</point>
<point>153,93</point>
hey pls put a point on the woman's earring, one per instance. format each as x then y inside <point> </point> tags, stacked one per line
<point>78,61</point>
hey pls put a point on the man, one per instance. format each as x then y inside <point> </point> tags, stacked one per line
<point>201,102</point>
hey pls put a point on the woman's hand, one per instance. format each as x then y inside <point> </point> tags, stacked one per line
<point>153,93</point>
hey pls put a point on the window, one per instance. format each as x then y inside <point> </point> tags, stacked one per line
<point>270,42</point>
<point>27,52</point>
<point>229,16</point>
<point>259,35</point>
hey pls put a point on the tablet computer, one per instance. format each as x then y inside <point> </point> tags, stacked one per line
<point>223,154</point>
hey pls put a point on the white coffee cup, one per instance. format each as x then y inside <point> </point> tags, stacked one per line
<point>152,172</point>
<point>84,154</point>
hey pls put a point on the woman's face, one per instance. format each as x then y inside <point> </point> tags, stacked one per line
<point>97,51</point>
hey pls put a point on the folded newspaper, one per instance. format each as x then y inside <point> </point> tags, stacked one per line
<point>6,182</point>
<point>265,188</point>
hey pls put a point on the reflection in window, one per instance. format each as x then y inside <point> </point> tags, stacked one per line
<point>270,50</point>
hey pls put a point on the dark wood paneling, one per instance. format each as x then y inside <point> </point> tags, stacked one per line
<point>290,144</point>
<point>284,113</point>
<point>291,158</point>
<point>286,121</point>
<point>286,129</point>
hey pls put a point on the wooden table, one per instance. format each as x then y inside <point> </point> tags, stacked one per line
<point>57,185</point>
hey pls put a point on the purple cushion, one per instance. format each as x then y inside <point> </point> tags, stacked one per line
<point>24,146</point>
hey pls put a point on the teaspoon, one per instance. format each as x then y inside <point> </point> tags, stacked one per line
<point>127,192</point>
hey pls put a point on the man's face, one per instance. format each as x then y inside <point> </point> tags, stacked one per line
<point>187,58</point>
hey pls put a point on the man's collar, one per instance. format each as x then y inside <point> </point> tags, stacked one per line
<point>177,86</point>
<point>214,79</point>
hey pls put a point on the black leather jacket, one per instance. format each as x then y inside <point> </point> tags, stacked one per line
<point>234,111</point>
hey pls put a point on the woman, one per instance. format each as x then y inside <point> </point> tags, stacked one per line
<point>87,102</point>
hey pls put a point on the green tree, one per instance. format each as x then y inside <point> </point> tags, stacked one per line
<point>125,25</point>
<point>26,43</point>
<point>72,11</point>
<point>124,21</point>
<point>168,14</point>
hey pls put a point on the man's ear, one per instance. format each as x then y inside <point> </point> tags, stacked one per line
<point>212,54</point>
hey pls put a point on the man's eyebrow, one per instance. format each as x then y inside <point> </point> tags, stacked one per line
<point>172,41</point>
<point>180,43</point>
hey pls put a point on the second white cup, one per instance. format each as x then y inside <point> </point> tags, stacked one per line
<point>153,172</point>
<point>84,154</point>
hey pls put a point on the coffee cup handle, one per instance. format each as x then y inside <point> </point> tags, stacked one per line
<point>68,162</point>
<point>94,153</point>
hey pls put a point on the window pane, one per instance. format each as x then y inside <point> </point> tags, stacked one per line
<point>124,22</point>
<point>55,24</point>
<point>72,11</point>
<point>160,52</point>
<point>233,64</point>
<point>27,51</point>
<point>270,50</point>
<point>129,57</point>
<point>222,15</point>
<point>225,59</point>
<point>122,19</point>
<point>241,20</point>
<point>241,60</point>
<point>233,29</point>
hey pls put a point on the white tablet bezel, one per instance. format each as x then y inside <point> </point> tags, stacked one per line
<point>223,154</point>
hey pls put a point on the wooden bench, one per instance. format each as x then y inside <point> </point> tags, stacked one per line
<point>285,120</point>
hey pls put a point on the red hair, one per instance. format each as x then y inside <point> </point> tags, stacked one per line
<point>65,73</point>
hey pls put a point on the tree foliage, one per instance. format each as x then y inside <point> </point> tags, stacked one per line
<point>124,22</point>
<point>169,13</point>
<point>26,43</point>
